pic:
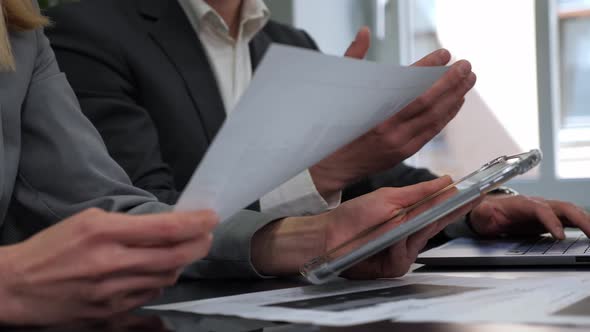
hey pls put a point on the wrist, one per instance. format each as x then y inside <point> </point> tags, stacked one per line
<point>325,181</point>
<point>281,248</point>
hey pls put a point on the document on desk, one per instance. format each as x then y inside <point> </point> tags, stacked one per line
<point>300,107</point>
<point>414,298</point>
<point>342,303</point>
<point>555,301</point>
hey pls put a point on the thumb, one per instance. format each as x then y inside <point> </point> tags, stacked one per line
<point>360,46</point>
<point>410,195</point>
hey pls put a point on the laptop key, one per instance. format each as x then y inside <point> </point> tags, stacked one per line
<point>580,247</point>
<point>541,247</point>
<point>523,247</point>
<point>560,247</point>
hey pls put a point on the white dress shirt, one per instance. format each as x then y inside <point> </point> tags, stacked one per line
<point>231,64</point>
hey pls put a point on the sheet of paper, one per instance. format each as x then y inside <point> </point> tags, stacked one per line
<point>342,303</point>
<point>557,301</point>
<point>300,107</point>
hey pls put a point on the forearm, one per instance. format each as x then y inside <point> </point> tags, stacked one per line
<point>281,248</point>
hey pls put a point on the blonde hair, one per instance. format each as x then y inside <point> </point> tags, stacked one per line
<point>16,15</point>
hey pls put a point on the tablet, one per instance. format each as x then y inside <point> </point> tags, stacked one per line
<point>425,212</point>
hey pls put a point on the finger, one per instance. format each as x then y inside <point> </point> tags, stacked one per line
<point>152,260</point>
<point>149,260</point>
<point>547,217</point>
<point>425,134</point>
<point>409,195</point>
<point>161,229</point>
<point>360,46</point>
<point>443,109</point>
<point>575,217</point>
<point>417,241</point>
<point>459,72</point>
<point>438,117</point>
<point>437,58</point>
<point>121,304</point>
<point>117,284</point>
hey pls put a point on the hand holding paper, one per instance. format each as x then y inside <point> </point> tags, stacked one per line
<point>402,135</point>
<point>300,107</point>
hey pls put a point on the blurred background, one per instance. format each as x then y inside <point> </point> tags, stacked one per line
<point>532,58</point>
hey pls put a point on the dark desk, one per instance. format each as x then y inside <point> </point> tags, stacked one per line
<point>152,321</point>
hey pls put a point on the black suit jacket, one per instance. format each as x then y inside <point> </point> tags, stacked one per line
<point>143,78</point>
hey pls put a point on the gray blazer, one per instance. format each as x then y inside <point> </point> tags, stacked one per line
<point>54,163</point>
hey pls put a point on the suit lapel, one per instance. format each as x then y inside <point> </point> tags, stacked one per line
<point>258,47</point>
<point>174,34</point>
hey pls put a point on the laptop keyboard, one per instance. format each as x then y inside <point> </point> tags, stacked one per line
<point>545,245</point>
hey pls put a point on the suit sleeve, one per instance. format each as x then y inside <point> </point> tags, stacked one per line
<point>107,99</point>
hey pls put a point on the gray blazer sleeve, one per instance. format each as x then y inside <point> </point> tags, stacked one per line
<point>65,168</point>
<point>64,165</point>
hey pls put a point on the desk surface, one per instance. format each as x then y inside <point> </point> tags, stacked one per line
<point>151,321</point>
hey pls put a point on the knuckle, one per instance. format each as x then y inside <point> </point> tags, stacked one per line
<point>170,229</point>
<point>85,228</point>
<point>101,264</point>
<point>421,102</point>
<point>393,140</point>
<point>97,294</point>
<point>379,131</point>
<point>89,230</point>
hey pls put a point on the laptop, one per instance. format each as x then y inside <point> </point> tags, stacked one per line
<point>540,250</point>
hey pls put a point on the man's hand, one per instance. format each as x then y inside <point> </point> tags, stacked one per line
<point>283,247</point>
<point>402,135</point>
<point>97,264</point>
<point>522,215</point>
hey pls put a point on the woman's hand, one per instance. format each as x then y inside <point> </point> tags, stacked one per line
<point>283,247</point>
<point>97,264</point>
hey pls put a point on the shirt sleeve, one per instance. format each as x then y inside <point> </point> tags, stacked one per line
<point>298,197</point>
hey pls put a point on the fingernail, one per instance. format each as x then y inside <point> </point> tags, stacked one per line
<point>562,234</point>
<point>464,69</point>
<point>443,54</point>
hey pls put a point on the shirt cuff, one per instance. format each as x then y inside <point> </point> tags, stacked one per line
<point>230,254</point>
<point>298,197</point>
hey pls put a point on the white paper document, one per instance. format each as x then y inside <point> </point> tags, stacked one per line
<point>342,303</point>
<point>555,301</point>
<point>414,298</point>
<point>300,106</point>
